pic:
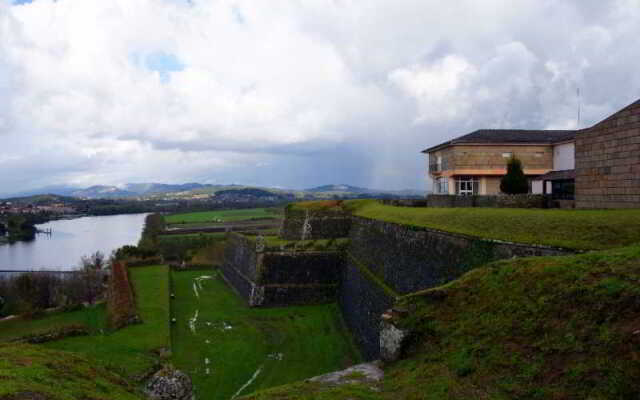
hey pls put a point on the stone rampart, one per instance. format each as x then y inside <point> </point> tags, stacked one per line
<point>362,299</point>
<point>314,224</point>
<point>267,278</point>
<point>409,258</point>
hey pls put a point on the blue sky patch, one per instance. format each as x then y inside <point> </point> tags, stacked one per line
<point>161,62</point>
<point>19,2</point>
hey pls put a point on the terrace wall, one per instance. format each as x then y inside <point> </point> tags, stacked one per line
<point>608,162</point>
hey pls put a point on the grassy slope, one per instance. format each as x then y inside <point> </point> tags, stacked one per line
<point>575,229</point>
<point>531,328</point>
<point>28,371</point>
<point>92,318</point>
<point>129,350</point>
<point>310,338</point>
<point>223,215</point>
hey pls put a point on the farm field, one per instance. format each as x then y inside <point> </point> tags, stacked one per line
<point>221,216</point>
<point>228,348</point>
<point>130,350</point>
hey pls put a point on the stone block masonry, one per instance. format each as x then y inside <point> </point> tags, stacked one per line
<point>409,258</point>
<point>280,278</point>
<point>314,224</point>
<point>608,162</point>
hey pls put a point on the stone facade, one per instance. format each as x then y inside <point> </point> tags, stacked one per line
<point>494,157</point>
<point>608,162</point>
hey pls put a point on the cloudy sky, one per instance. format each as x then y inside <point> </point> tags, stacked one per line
<point>292,93</point>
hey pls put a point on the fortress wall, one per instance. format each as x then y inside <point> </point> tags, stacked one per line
<point>322,224</point>
<point>281,278</point>
<point>386,260</point>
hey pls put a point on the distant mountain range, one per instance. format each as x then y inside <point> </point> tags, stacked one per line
<point>198,190</point>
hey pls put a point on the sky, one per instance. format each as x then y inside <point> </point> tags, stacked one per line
<point>293,93</point>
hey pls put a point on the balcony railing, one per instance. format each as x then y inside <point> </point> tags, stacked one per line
<point>443,166</point>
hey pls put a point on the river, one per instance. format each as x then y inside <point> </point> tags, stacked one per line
<point>70,240</point>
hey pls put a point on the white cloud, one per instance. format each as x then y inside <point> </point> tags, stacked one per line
<point>313,91</point>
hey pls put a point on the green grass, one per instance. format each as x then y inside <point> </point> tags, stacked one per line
<point>574,229</point>
<point>529,328</point>
<point>311,339</point>
<point>221,216</point>
<point>212,235</point>
<point>273,242</point>
<point>34,372</point>
<point>92,318</point>
<point>131,349</point>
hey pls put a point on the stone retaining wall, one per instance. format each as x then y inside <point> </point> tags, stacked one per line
<point>280,278</point>
<point>362,300</point>
<point>497,201</point>
<point>319,224</point>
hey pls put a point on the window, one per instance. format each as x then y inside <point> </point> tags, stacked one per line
<point>441,185</point>
<point>507,155</point>
<point>467,186</point>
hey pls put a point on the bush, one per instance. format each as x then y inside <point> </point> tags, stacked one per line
<point>514,182</point>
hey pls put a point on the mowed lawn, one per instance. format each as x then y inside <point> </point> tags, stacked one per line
<point>131,350</point>
<point>220,215</point>
<point>574,229</point>
<point>222,344</point>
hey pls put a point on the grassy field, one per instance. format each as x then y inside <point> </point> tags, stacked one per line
<point>221,216</point>
<point>574,229</point>
<point>92,318</point>
<point>130,350</point>
<point>222,343</point>
<point>529,328</point>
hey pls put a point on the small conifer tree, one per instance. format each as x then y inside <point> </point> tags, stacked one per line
<point>514,182</point>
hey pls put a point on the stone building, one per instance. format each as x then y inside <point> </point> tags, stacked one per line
<point>473,164</point>
<point>608,162</point>
<point>598,166</point>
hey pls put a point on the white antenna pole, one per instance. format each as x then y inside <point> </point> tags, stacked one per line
<point>578,93</point>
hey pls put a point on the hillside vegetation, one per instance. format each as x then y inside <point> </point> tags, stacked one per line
<point>35,373</point>
<point>572,229</point>
<point>530,328</point>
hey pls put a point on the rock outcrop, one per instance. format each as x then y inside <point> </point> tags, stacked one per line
<point>169,384</point>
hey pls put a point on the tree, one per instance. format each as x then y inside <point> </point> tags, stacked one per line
<point>92,273</point>
<point>514,182</point>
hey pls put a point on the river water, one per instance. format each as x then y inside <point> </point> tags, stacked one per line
<point>70,240</point>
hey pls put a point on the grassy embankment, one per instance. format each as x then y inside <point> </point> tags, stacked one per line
<point>93,366</point>
<point>129,350</point>
<point>30,372</point>
<point>284,344</point>
<point>530,328</point>
<point>572,229</point>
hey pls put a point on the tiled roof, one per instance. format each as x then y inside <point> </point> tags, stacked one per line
<point>515,136</point>
<point>558,175</point>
